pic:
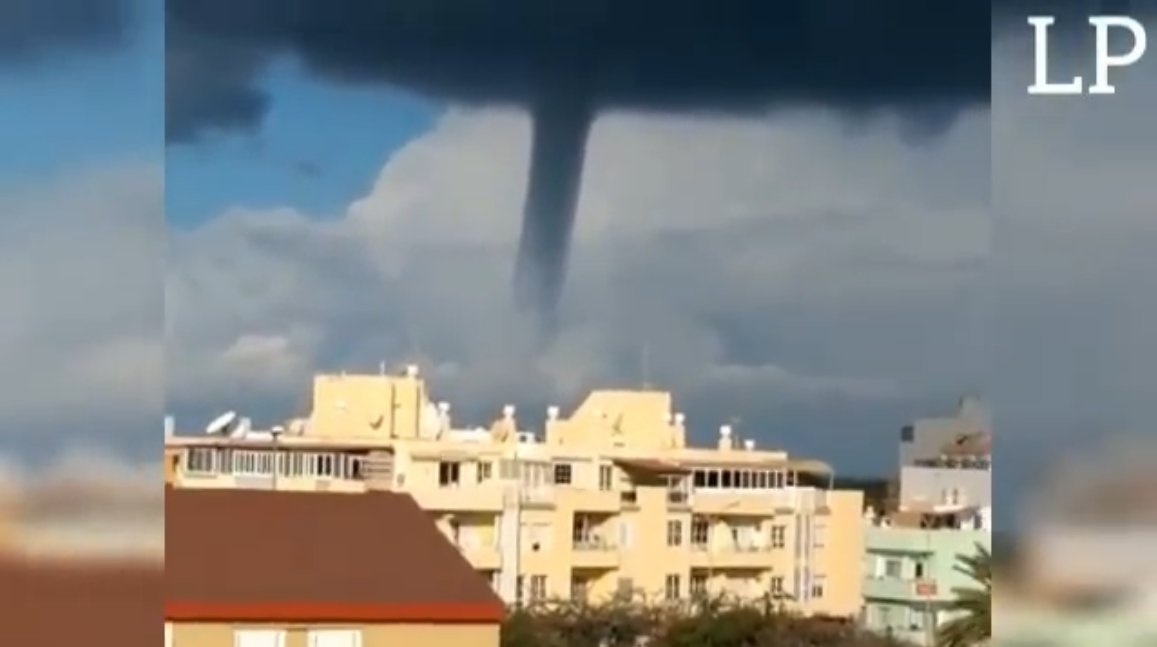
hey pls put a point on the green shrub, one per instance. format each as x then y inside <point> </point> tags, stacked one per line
<point>711,623</point>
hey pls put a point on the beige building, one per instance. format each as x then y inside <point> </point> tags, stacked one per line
<point>607,500</point>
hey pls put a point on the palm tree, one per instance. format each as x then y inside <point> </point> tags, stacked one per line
<point>972,608</point>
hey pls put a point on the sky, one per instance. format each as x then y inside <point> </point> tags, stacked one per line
<point>81,237</point>
<point>714,259</point>
<point>821,281</point>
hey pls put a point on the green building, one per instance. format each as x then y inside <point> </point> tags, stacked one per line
<point>910,572</point>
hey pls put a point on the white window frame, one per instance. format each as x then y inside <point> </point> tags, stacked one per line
<point>317,636</point>
<point>238,634</point>
<point>168,634</point>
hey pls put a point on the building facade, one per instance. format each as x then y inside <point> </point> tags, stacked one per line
<point>911,573</point>
<point>610,500</point>
<point>944,511</point>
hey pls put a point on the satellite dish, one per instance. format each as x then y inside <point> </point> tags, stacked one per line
<point>242,428</point>
<point>221,423</point>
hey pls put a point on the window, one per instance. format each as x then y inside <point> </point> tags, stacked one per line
<point>626,532</point>
<point>325,465</point>
<point>674,532</point>
<point>700,531</point>
<point>915,619</point>
<point>819,534</point>
<point>448,474</point>
<point>537,588</point>
<point>485,471</point>
<point>562,474</point>
<point>578,589</point>
<point>818,586</point>
<point>699,478</point>
<point>199,459</point>
<point>519,587</point>
<point>775,586</point>
<point>907,434</point>
<point>671,588</point>
<point>919,569</point>
<point>778,536</point>
<point>258,638</point>
<point>725,482</point>
<point>335,638</point>
<point>893,568</point>
<point>606,478</point>
<point>698,585</point>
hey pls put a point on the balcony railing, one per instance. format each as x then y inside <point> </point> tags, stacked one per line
<point>592,544</point>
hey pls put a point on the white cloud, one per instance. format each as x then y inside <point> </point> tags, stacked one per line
<point>80,276</point>
<point>781,258</point>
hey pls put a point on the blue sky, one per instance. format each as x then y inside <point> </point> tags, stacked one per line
<point>320,147</point>
<point>85,110</point>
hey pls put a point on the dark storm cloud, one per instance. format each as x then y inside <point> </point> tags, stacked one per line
<point>566,61</point>
<point>33,30</point>
<point>671,55</point>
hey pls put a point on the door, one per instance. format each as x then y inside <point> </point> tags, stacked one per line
<point>335,638</point>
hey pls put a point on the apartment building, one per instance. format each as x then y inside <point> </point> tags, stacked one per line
<point>608,500</point>
<point>923,439</point>
<point>944,511</point>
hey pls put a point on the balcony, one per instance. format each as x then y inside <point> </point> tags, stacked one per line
<point>458,498</point>
<point>597,501</point>
<point>731,555</point>
<point>902,589</point>
<point>594,552</point>
<point>678,500</point>
<point>482,558</point>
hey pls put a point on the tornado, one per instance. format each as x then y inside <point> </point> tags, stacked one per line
<point>568,62</point>
<point>560,126</point>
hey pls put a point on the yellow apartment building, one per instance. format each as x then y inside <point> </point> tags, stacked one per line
<point>609,500</point>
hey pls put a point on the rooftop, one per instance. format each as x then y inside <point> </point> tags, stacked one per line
<point>249,555</point>
<point>105,603</point>
<point>379,411</point>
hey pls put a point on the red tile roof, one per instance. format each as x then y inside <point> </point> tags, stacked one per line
<point>251,555</point>
<point>97,604</point>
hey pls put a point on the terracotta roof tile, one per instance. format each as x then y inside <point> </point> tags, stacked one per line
<point>261,555</point>
<point>98,604</point>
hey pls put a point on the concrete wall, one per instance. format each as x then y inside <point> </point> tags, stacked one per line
<point>391,635</point>
<point>927,485</point>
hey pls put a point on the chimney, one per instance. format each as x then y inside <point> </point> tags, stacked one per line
<point>508,412</point>
<point>552,413</point>
<point>170,426</point>
<point>411,370</point>
<point>749,444</point>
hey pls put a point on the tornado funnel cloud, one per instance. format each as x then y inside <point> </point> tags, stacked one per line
<point>560,129</point>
